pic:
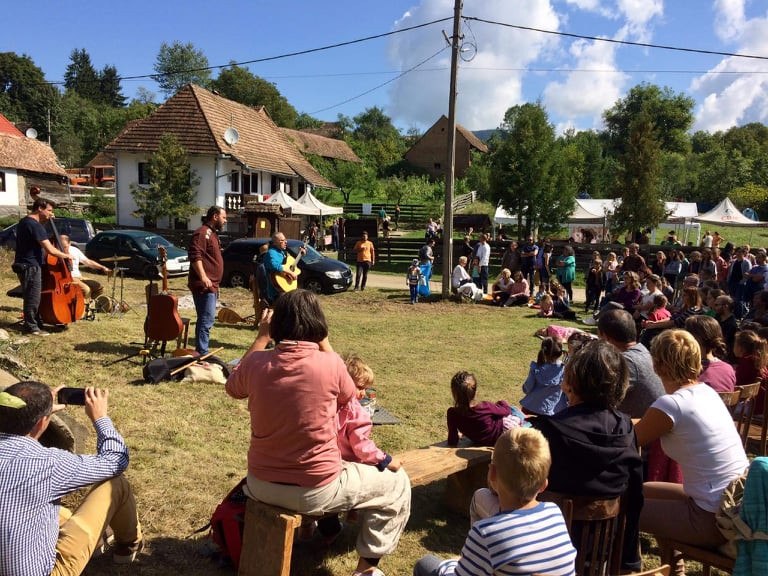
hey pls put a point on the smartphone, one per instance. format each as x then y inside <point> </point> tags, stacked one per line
<point>75,396</point>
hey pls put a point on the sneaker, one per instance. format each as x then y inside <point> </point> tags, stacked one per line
<point>38,333</point>
<point>589,321</point>
<point>375,572</point>
<point>126,553</point>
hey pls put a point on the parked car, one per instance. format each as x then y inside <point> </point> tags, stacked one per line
<point>320,274</point>
<point>140,250</point>
<point>79,230</point>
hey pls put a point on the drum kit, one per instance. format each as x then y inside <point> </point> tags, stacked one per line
<point>111,304</point>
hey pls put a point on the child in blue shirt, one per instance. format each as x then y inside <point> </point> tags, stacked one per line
<point>543,395</point>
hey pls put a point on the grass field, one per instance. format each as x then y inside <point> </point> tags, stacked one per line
<point>188,442</point>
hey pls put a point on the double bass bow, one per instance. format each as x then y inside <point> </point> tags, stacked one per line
<point>163,320</point>
<point>61,300</point>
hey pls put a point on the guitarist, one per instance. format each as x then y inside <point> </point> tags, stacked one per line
<point>274,259</point>
<point>206,269</point>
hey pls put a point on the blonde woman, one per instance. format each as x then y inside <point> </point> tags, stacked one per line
<point>696,430</point>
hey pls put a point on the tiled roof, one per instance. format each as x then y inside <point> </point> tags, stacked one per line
<point>442,124</point>
<point>308,143</point>
<point>7,127</point>
<point>22,153</point>
<point>199,119</point>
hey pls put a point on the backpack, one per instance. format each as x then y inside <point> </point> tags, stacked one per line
<point>226,525</point>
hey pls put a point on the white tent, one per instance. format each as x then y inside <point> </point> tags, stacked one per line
<point>726,214</point>
<point>297,209</point>
<point>309,200</point>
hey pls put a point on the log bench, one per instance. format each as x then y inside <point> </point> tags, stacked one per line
<point>268,530</point>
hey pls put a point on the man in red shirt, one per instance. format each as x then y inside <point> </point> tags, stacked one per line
<point>206,267</point>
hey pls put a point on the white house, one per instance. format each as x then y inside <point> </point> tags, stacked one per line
<point>236,151</point>
<point>27,162</point>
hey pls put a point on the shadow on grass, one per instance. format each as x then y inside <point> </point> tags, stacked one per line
<point>444,530</point>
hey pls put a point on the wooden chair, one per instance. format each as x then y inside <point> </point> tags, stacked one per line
<point>758,431</point>
<point>708,558</point>
<point>660,571</point>
<point>596,527</point>
<point>747,400</point>
<point>731,400</point>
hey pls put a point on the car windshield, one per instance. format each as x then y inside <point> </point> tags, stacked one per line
<point>312,255</point>
<point>152,242</point>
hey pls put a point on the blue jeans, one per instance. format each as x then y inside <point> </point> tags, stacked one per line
<point>361,272</point>
<point>427,565</point>
<point>205,305</point>
<point>484,278</point>
<point>30,278</point>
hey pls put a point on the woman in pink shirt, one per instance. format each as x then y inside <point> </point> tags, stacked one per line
<point>718,374</point>
<point>294,393</point>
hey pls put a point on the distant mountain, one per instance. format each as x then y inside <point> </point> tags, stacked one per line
<point>484,135</point>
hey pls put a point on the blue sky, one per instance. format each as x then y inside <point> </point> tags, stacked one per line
<point>575,79</point>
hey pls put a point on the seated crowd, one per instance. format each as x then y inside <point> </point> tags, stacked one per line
<point>631,413</point>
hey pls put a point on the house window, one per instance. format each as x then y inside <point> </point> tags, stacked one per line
<point>2,181</point>
<point>144,173</point>
<point>234,179</point>
<point>250,183</point>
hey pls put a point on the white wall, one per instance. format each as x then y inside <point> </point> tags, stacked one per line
<point>209,191</point>
<point>11,195</point>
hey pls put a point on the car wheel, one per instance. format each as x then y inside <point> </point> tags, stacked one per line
<point>314,285</point>
<point>237,279</point>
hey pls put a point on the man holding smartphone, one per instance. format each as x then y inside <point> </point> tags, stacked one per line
<point>40,536</point>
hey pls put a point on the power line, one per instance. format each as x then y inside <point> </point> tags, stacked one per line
<point>381,85</point>
<point>611,40</point>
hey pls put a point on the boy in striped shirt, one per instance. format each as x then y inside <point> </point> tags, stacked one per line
<point>527,536</point>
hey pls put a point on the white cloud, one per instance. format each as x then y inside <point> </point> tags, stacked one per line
<point>488,85</point>
<point>734,92</point>
<point>587,94</point>
<point>638,15</point>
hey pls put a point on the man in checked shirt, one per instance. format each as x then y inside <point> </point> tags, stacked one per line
<point>37,535</point>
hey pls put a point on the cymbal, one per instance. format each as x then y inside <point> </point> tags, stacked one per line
<point>115,258</point>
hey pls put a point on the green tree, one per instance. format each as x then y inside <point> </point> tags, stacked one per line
<point>304,121</point>
<point>751,196</point>
<point>25,96</point>
<point>81,77</point>
<point>240,85</point>
<point>180,64</point>
<point>641,203</point>
<point>376,141</point>
<point>110,92</point>
<point>672,116</point>
<point>525,170</point>
<point>171,191</point>
<point>99,206</point>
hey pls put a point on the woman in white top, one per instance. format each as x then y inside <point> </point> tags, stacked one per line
<point>697,431</point>
<point>461,281</point>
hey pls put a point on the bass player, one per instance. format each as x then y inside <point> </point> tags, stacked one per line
<point>206,269</point>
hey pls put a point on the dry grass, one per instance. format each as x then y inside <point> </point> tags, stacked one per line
<point>188,442</point>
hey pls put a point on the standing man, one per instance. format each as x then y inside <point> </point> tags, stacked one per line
<point>79,259</point>
<point>366,258</point>
<point>484,257</point>
<point>382,216</point>
<point>274,259</point>
<point>528,253</point>
<point>206,268</point>
<point>39,536</point>
<point>31,244</point>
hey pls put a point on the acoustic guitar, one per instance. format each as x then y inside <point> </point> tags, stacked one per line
<point>163,320</point>
<point>291,265</point>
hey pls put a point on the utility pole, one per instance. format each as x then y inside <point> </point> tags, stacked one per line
<point>451,160</point>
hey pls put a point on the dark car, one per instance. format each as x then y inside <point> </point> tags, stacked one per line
<point>79,230</point>
<point>320,274</point>
<point>139,248</point>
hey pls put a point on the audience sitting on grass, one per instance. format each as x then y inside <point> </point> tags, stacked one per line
<point>514,538</point>
<point>691,306</point>
<point>593,447</point>
<point>697,431</point>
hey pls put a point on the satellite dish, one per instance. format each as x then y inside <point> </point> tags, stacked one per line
<point>31,133</point>
<point>231,136</point>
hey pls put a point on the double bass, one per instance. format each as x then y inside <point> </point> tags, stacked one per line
<point>163,320</point>
<point>61,300</point>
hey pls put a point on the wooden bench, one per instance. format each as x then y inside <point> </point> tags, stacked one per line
<point>709,558</point>
<point>268,530</point>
